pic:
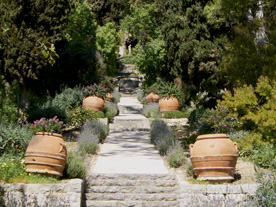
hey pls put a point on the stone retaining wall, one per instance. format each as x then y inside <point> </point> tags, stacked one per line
<point>34,195</point>
<point>216,195</point>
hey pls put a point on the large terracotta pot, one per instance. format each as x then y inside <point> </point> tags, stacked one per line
<point>152,98</point>
<point>169,104</point>
<point>109,97</point>
<point>214,157</point>
<point>93,103</point>
<point>46,154</point>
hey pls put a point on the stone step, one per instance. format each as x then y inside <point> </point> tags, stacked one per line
<point>130,109</point>
<point>130,197</point>
<point>130,122</point>
<point>132,204</point>
<point>131,189</point>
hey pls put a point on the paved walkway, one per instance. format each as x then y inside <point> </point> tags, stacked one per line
<point>129,151</point>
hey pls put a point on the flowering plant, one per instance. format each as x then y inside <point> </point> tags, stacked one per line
<point>52,125</point>
<point>95,90</point>
<point>217,121</point>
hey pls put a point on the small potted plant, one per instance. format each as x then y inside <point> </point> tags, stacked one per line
<point>94,97</point>
<point>46,152</point>
<point>152,92</point>
<point>170,94</point>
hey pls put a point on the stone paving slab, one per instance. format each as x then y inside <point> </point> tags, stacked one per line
<point>129,152</point>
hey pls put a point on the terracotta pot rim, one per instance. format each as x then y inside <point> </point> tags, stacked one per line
<point>50,134</point>
<point>212,136</point>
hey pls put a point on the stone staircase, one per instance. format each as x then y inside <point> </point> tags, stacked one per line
<point>116,190</point>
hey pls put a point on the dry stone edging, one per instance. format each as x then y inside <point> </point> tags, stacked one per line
<point>61,194</point>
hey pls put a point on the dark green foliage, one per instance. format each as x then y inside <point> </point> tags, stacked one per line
<point>75,167</point>
<point>176,114</point>
<point>193,47</point>
<point>109,10</point>
<point>151,61</point>
<point>47,112</point>
<point>29,23</point>
<point>14,139</point>
<point>161,136</point>
<point>61,105</point>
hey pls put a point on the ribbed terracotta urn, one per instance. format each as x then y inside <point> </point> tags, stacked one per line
<point>214,157</point>
<point>152,98</point>
<point>94,103</point>
<point>109,97</point>
<point>46,154</point>
<point>169,104</point>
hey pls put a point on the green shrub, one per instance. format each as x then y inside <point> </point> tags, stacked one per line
<point>264,156</point>
<point>75,167</point>
<point>161,136</point>
<point>79,116</point>
<point>99,114</point>
<point>176,156</point>
<point>11,167</point>
<point>127,59</point>
<point>8,106</point>
<point>194,117</point>
<point>176,114</point>
<point>217,121</point>
<point>60,106</point>
<point>111,110</point>
<point>14,139</point>
<point>68,99</point>
<point>151,111</point>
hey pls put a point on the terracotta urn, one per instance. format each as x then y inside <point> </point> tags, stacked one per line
<point>46,154</point>
<point>94,103</point>
<point>214,157</point>
<point>152,98</point>
<point>169,104</point>
<point>109,97</point>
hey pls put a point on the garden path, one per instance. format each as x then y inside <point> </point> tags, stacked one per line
<point>129,151</point>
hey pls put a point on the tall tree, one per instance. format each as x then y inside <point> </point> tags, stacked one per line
<point>29,31</point>
<point>109,10</point>
<point>193,51</point>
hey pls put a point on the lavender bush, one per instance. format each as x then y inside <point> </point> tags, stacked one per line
<point>176,156</point>
<point>151,110</point>
<point>88,141</point>
<point>161,136</point>
<point>99,129</point>
<point>111,110</point>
